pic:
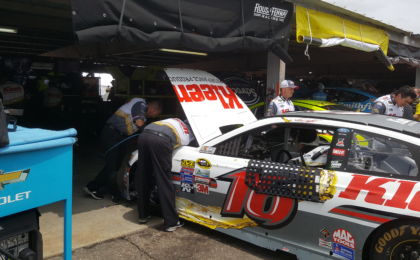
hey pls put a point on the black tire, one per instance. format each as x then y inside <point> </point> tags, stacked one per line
<point>398,240</point>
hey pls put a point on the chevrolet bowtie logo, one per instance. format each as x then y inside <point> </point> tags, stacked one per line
<point>12,177</point>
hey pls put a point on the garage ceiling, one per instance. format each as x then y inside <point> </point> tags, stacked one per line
<point>42,26</point>
<point>45,29</point>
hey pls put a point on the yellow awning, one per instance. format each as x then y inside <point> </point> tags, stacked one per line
<point>315,24</point>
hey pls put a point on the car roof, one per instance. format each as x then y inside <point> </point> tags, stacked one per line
<point>402,125</point>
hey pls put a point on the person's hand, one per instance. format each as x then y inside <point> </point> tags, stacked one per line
<point>139,123</point>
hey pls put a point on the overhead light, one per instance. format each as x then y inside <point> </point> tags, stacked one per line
<point>8,30</point>
<point>184,52</point>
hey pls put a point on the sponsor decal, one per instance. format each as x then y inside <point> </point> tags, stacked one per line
<point>187,163</point>
<point>187,187</point>
<point>340,142</point>
<point>201,172</point>
<point>343,251</point>
<point>246,91</point>
<point>202,188</point>
<point>206,92</point>
<point>343,237</point>
<point>343,130</point>
<point>325,233</point>
<point>268,211</point>
<point>200,179</point>
<point>358,106</point>
<point>403,194</point>
<point>324,243</point>
<point>208,149</point>
<point>187,170</point>
<point>339,152</point>
<point>187,178</point>
<point>335,164</point>
<point>12,177</point>
<point>272,13</point>
<point>203,163</point>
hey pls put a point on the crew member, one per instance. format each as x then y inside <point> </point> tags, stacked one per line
<point>320,94</point>
<point>155,146</point>
<point>393,104</point>
<point>282,103</point>
<point>127,120</point>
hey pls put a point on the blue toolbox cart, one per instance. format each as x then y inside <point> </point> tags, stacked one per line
<point>35,170</point>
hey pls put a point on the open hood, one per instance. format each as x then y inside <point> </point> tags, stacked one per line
<point>207,102</point>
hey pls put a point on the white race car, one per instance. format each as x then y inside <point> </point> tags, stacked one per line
<point>243,178</point>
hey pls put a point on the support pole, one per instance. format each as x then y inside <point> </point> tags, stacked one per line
<point>276,70</point>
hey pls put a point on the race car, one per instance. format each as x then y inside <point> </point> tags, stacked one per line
<point>317,105</point>
<point>242,178</point>
<point>353,98</point>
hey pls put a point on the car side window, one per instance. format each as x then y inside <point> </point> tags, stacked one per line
<point>254,144</point>
<point>375,154</point>
<point>294,145</point>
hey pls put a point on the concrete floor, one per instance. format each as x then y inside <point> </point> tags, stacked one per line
<point>94,221</point>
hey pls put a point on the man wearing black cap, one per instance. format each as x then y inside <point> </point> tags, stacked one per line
<point>282,103</point>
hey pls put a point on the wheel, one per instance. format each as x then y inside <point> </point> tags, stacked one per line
<point>400,240</point>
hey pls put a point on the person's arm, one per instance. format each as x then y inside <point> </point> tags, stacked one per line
<point>378,108</point>
<point>138,113</point>
<point>271,110</point>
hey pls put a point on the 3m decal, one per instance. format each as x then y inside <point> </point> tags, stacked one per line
<point>338,152</point>
<point>12,177</point>
<point>375,192</point>
<point>268,211</point>
<point>202,188</point>
<point>205,92</point>
<point>203,163</point>
<point>187,163</point>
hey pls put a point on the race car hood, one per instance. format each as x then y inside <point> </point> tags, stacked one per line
<point>207,102</point>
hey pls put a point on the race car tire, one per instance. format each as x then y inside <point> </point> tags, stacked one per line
<point>398,240</point>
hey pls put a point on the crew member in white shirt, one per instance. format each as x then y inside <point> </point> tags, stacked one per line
<point>282,103</point>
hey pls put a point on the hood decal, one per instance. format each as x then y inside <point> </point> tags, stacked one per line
<point>207,102</point>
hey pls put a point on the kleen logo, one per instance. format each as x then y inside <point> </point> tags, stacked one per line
<point>12,177</point>
<point>403,195</point>
<point>205,92</point>
<point>273,13</point>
